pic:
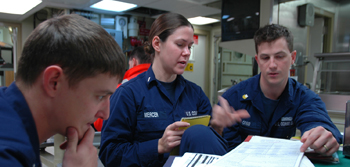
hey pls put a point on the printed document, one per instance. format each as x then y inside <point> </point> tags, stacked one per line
<point>195,160</point>
<point>262,151</point>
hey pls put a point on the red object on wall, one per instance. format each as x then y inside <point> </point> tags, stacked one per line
<point>133,41</point>
<point>144,31</point>
<point>292,72</point>
<point>195,38</point>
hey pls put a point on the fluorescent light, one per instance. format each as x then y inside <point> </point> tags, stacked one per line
<point>225,16</point>
<point>199,20</point>
<point>19,7</point>
<point>230,19</point>
<point>111,5</point>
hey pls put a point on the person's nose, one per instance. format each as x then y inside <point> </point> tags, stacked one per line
<point>103,112</point>
<point>272,63</point>
<point>186,52</point>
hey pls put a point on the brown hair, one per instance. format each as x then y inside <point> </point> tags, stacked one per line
<point>140,54</point>
<point>163,27</point>
<point>272,32</point>
<point>79,46</point>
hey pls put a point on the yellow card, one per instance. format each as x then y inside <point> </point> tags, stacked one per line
<point>197,120</point>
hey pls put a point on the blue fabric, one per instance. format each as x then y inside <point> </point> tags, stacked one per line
<point>299,108</point>
<point>210,141</point>
<point>170,87</point>
<point>140,111</point>
<point>19,142</point>
<point>269,107</point>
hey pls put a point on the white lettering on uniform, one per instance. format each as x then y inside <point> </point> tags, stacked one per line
<point>191,113</point>
<point>194,113</point>
<point>289,123</point>
<point>151,115</point>
<point>246,123</point>
<point>286,119</point>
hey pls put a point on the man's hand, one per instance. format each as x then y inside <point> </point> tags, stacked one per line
<point>82,154</point>
<point>319,139</point>
<point>171,137</point>
<point>225,115</point>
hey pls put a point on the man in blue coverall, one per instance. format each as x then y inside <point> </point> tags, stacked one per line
<point>276,103</point>
<point>68,69</point>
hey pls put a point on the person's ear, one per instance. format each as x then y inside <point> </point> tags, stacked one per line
<point>294,55</point>
<point>256,59</point>
<point>156,43</point>
<point>134,62</point>
<point>52,79</point>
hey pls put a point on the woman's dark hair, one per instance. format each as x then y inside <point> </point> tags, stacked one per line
<point>272,32</point>
<point>79,46</point>
<point>163,27</point>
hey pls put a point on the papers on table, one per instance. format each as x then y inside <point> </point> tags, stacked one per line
<point>262,154</point>
<point>259,151</point>
<point>195,160</point>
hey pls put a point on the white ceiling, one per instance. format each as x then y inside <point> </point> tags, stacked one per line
<point>188,8</point>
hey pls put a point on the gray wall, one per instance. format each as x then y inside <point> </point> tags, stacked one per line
<point>287,14</point>
<point>342,40</point>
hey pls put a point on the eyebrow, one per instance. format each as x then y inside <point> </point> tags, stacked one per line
<point>187,41</point>
<point>107,92</point>
<point>280,52</point>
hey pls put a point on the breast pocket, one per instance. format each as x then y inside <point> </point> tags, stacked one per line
<point>150,128</point>
<point>284,132</point>
<point>253,129</point>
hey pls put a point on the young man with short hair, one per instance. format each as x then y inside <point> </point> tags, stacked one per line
<point>68,69</point>
<point>277,104</point>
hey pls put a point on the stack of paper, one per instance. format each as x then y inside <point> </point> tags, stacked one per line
<point>263,151</point>
<point>259,151</point>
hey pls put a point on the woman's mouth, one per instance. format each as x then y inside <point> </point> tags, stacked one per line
<point>182,63</point>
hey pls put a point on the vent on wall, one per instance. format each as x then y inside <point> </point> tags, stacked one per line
<point>306,15</point>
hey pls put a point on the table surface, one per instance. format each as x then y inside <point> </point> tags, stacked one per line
<point>344,161</point>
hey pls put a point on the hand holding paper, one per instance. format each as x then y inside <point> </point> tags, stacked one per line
<point>171,137</point>
<point>321,140</point>
<point>197,120</point>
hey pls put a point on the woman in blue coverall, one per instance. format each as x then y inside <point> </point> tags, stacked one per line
<point>145,112</point>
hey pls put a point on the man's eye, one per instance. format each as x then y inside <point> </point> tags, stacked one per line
<point>279,56</point>
<point>101,97</point>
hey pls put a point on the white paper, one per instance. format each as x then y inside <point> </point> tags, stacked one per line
<point>305,162</point>
<point>196,160</point>
<point>263,152</point>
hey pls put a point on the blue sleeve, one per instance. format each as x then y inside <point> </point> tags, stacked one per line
<point>12,157</point>
<point>118,147</point>
<point>15,147</point>
<point>312,113</point>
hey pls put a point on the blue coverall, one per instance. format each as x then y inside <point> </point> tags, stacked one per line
<point>298,107</point>
<point>141,110</point>
<point>19,142</point>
